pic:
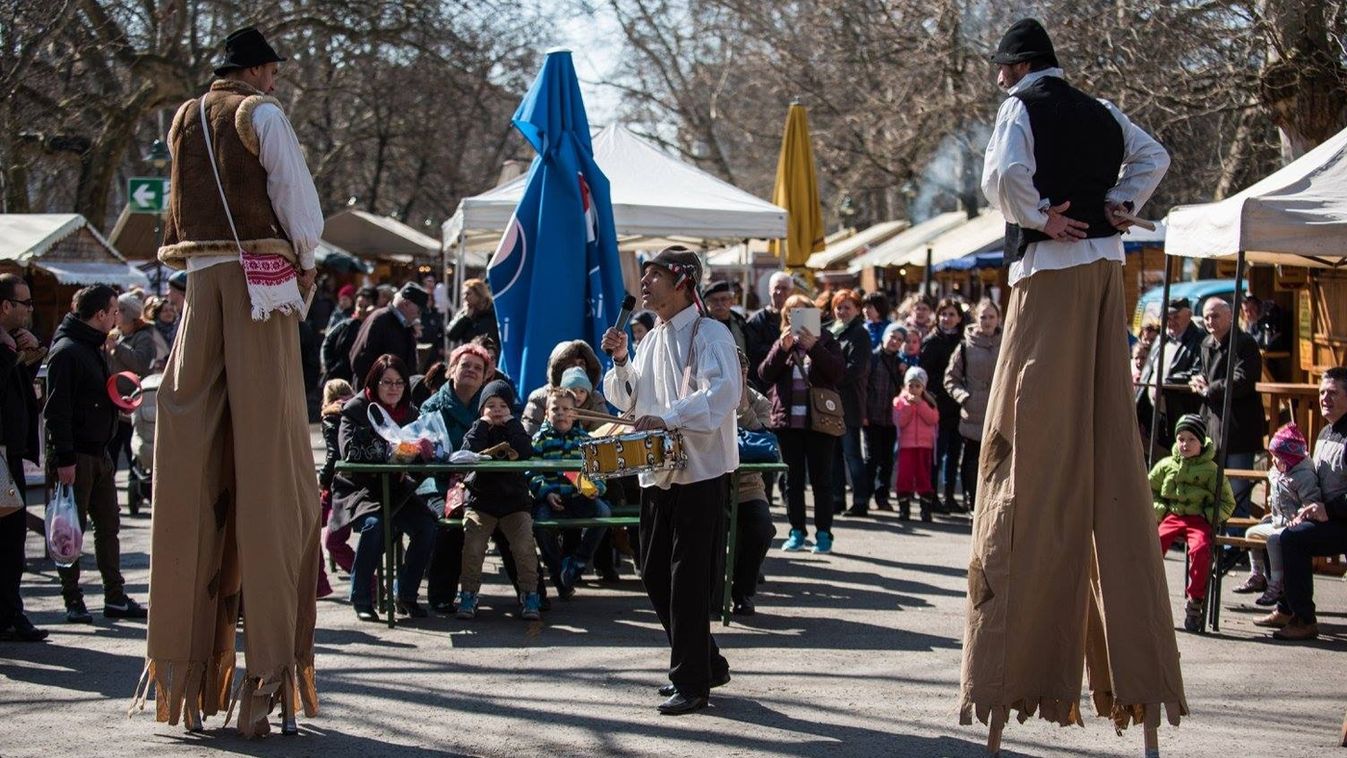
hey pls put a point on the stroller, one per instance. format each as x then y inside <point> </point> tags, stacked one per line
<point>138,486</point>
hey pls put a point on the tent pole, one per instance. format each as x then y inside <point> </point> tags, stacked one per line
<point>1214,585</point>
<point>747,276</point>
<point>927,276</point>
<point>1157,377</point>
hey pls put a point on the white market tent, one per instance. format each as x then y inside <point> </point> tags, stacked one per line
<point>1295,216</point>
<point>983,234</point>
<point>65,246</point>
<point>859,243</point>
<point>655,197</point>
<point>372,236</point>
<point>896,251</point>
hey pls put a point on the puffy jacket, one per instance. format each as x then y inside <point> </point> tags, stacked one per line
<point>883,385</point>
<point>80,416</point>
<point>824,369</point>
<point>917,422</point>
<point>1289,492</point>
<point>854,340</point>
<point>498,493</point>
<point>1187,486</point>
<point>564,355</point>
<point>968,380</point>
<point>552,445</point>
<point>936,351</point>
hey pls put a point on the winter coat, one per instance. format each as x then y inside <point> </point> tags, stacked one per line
<point>355,496</point>
<point>876,330</point>
<point>1187,486</point>
<point>855,342</point>
<point>458,418</point>
<point>917,422</point>
<point>382,333</point>
<point>883,385</point>
<point>141,352</point>
<point>465,326</point>
<point>498,493</point>
<point>968,380</point>
<point>936,351</point>
<point>336,350</point>
<point>760,332</point>
<point>1289,492</point>
<point>18,406</point>
<point>736,324</point>
<point>551,445</point>
<point>80,416</point>
<point>1248,424</point>
<point>754,414</point>
<point>823,368</point>
<point>563,357</point>
<point>331,425</point>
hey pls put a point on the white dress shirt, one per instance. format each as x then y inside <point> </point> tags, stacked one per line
<point>651,384</point>
<point>1008,182</point>
<point>289,185</point>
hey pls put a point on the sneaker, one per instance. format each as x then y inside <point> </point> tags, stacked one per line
<point>124,608</point>
<point>1255,583</point>
<point>77,613</point>
<point>1194,614</point>
<point>530,610</point>
<point>823,543</point>
<point>1274,620</point>
<point>1271,596</point>
<point>467,605</point>
<point>795,542</point>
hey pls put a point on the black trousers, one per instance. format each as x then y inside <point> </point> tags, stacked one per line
<point>13,532</point>
<point>680,529</point>
<point>968,471</point>
<point>809,453</point>
<point>96,500</point>
<point>880,453</point>
<point>947,445</point>
<point>1300,544</point>
<point>756,533</point>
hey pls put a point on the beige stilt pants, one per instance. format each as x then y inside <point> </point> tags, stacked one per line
<point>1065,568</point>
<point>235,510</point>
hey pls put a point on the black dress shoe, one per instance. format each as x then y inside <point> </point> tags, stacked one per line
<point>366,614</point>
<point>855,513</point>
<point>743,607</point>
<point>77,613</point>
<point>22,630</point>
<point>411,608</point>
<point>679,704</point>
<point>669,690</point>
<point>443,608</point>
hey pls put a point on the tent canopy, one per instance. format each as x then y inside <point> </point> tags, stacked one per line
<point>654,196</point>
<point>65,246</point>
<point>897,250</point>
<point>370,235</point>
<point>847,248</point>
<point>1298,212</point>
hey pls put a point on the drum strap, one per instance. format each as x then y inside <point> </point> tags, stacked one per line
<point>692,359</point>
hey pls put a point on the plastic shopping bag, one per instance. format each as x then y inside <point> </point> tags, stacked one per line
<point>65,538</point>
<point>425,439</point>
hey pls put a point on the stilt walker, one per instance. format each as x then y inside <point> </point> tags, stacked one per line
<point>235,497</point>
<point>1065,571</point>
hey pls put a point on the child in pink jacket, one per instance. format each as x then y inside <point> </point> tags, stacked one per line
<point>915,415</point>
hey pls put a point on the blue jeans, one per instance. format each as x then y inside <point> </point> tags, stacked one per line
<point>573,506</point>
<point>412,519</point>
<point>848,457</point>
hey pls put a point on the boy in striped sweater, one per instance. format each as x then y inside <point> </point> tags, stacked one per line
<point>560,496</point>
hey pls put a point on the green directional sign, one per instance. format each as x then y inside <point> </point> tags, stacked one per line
<point>147,194</point>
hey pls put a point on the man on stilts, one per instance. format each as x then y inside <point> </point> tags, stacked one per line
<point>1065,568</point>
<point>235,497</point>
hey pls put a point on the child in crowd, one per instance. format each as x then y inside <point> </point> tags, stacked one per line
<point>915,415</point>
<point>1184,488</point>
<point>335,394</point>
<point>1292,484</point>
<point>911,352</point>
<point>756,530</point>
<point>497,499</point>
<point>560,496</point>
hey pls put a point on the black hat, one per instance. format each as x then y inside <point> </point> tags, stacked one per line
<point>718,287</point>
<point>369,293</point>
<point>178,281</point>
<point>415,294</point>
<point>1178,304</point>
<point>681,261</point>
<point>246,48</point>
<point>1025,40</point>
<point>1193,423</point>
<point>498,388</point>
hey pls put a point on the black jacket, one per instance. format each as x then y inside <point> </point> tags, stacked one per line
<point>760,332</point>
<point>854,339</point>
<point>498,494</point>
<point>464,326</point>
<point>336,351</point>
<point>936,350</point>
<point>18,407</point>
<point>885,382</point>
<point>1184,355</point>
<point>80,416</point>
<point>382,333</point>
<point>357,495</point>
<point>1248,424</point>
<point>331,425</point>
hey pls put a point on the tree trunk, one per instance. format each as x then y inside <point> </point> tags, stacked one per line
<point>1303,85</point>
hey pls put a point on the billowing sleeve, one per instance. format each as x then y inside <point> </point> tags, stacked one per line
<point>289,184</point>
<point>1145,162</point>
<point>719,386</point>
<point>619,384</point>
<point>1008,168</point>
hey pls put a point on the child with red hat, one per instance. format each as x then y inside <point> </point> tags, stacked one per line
<point>1292,484</point>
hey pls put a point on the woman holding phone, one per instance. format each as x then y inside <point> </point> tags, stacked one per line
<point>805,356</point>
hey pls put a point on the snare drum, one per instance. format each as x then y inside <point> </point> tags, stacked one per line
<point>634,453</point>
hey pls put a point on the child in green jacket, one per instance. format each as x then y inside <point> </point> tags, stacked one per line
<point>1184,486</point>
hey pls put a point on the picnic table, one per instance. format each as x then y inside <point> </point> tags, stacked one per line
<point>386,470</point>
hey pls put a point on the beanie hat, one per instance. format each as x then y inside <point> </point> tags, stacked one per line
<point>916,373</point>
<point>1289,445</point>
<point>498,388</point>
<point>575,378</point>
<point>347,291</point>
<point>1193,423</point>
<point>890,329</point>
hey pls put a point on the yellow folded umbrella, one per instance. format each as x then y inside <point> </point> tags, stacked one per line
<point>797,191</point>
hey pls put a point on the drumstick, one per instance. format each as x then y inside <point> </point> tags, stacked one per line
<point>1136,220</point>
<point>602,418</point>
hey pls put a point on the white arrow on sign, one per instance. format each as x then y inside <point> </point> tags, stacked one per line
<point>144,196</point>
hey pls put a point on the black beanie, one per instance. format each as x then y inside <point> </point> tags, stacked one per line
<point>1192,423</point>
<point>499,388</point>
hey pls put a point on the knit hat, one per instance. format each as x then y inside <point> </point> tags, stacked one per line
<point>178,281</point>
<point>890,329</point>
<point>1193,423</point>
<point>1289,445</point>
<point>1026,40</point>
<point>347,291</point>
<point>499,388</point>
<point>415,295</point>
<point>575,378</point>
<point>916,373</point>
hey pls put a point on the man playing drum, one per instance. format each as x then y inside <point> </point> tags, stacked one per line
<point>685,377</point>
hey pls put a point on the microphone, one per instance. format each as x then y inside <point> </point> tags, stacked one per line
<point>623,316</point>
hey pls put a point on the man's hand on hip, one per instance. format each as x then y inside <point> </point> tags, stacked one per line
<point>1062,228</point>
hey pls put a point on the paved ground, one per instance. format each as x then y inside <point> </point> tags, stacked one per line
<point>854,654</point>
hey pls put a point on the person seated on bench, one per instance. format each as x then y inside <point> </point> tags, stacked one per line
<point>756,530</point>
<point>562,496</point>
<point>1319,529</point>
<point>355,497</point>
<point>1292,485</point>
<point>1184,487</point>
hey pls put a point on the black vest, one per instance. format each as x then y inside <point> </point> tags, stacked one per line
<point>1078,149</point>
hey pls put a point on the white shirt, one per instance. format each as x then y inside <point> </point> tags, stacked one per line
<point>1008,182</point>
<point>651,384</point>
<point>289,185</point>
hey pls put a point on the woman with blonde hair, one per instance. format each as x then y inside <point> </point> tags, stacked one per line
<point>476,314</point>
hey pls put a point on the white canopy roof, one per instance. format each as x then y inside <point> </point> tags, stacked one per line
<point>858,243</point>
<point>654,196</point>
<point>370,235</point>
<point>983,234</point>
<point>1298,212</point>
<point>66,246</point>
<point>895,252</point>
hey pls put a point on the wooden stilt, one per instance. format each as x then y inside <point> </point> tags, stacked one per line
<point>994,728</point>
<point>1344,730</point>
<point>1152,730</point>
